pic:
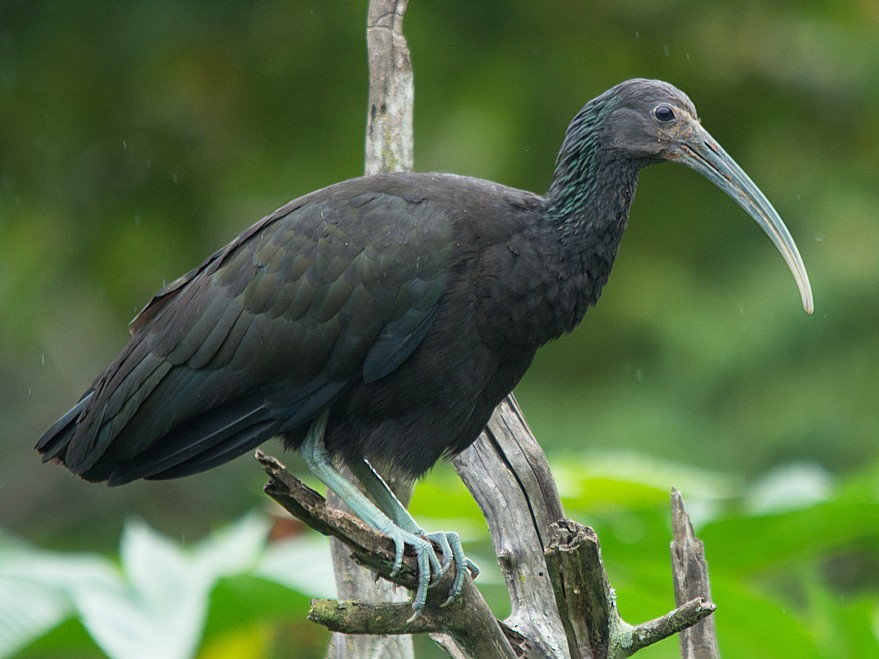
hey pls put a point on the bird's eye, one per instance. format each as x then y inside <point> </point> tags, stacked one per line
<point>663,114</point>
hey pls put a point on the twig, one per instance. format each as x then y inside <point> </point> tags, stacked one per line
<point>631,640</point>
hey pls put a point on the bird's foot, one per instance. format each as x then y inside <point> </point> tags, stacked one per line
<point>429,568</point>
<point>453,552</point>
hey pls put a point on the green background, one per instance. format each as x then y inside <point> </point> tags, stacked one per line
<point>137,137</point>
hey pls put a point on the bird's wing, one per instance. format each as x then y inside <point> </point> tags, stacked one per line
<point>338,286</point>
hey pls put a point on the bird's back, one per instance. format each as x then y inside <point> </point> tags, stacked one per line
<point>379,295</point>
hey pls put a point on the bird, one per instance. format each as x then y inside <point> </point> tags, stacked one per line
<point>377,322</point>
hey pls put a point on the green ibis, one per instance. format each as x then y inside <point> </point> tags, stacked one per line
<point>377,322</point>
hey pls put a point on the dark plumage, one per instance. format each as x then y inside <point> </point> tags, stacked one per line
<point>408,305</point>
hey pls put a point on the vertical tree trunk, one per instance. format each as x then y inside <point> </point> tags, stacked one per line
<point>388,149</point>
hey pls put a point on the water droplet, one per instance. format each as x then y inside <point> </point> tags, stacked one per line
<point>137,219</point>
<point>43,359</point>
<point>666,50</point>
<point>637,36</point>
<point>124,144</point>
<point>819,237</point>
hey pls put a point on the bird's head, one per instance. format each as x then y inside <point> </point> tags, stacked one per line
<point>650,121</point>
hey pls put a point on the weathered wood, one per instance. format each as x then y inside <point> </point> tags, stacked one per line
<point>467,621</point>
<point>508,475</point>
<point>585,601</point>
<point>582,591</point>
<point>389,137</point>
<point>562,600</point>
<point>690,571</point>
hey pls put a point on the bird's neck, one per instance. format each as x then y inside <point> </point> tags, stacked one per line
<point>593,183</point>
<point>592,197</point>
<point>588,205</point>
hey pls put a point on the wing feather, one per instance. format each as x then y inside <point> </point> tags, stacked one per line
<point>337,286</point>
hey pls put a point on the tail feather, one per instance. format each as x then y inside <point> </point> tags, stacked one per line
<point>238,444</point>
<point>166,421</point>
<point>108,416</point>
<point>228,430</point>
<point>54,442</point>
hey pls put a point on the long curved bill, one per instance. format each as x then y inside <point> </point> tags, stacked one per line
<point>702,153</point>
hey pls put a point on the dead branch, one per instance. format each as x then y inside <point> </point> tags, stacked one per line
<point>690,571</point>
<point>468,620</point>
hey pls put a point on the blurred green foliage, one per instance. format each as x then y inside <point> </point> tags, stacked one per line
<point>137,137</point>
<point>794,571</point>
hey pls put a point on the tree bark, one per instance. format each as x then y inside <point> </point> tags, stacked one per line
<point>507,473</point>
<point>690,570</point>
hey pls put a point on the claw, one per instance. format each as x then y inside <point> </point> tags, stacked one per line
<point>425,565</point>
<point>462,564</point>
<point>430,570</point>
<point>453,552</point>
<point>399,546</point>
<point>442,540</point>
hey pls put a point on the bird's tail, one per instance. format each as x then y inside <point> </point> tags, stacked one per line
<point>54,442</point>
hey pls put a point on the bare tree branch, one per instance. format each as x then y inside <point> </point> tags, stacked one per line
<point>391,89</point>
<point>562,600</point>
<point>631,639</point>
<point>585,601</point>
<point>468,620</point>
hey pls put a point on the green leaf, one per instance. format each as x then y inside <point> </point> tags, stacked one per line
<point>39,590</point>
<point>157,605</point>
<point>302,564</point>
<point>766,541</point>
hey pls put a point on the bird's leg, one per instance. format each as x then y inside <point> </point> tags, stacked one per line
<point>448,541</point>
<point>317,459</point>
